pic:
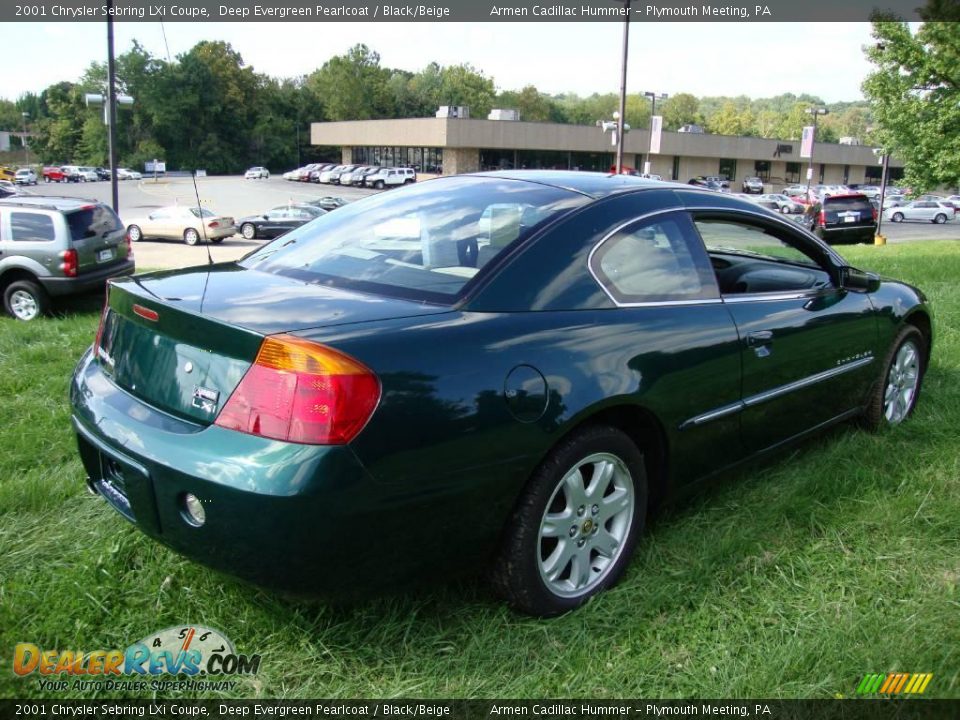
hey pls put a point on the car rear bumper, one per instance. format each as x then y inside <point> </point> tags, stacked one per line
<point>848,235</point>
<point>298,517</point>
<point>88,281</point>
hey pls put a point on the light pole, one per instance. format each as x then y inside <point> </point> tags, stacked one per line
<point>26,145</point>
<point>621,117</point>
<point>885,168</point>
<point>816,112</point>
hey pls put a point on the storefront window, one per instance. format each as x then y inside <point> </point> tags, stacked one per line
<point>792,172</point>
<point>762,169</point>
<point>728,168</point>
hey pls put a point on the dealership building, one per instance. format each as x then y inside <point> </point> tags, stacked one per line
<point>451,145</point>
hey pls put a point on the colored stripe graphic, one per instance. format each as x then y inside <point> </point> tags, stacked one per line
<point>894,683</point>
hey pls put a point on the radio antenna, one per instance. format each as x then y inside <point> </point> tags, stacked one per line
<point>203,227</point>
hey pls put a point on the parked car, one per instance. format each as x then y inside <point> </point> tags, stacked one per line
<point>843,219</point>
<point>71,173</point>
<point>356,176</point>
<point>390,177</point>
<point>25,176</point>
<point>54,174</point>
<point>277,221</point>
<point>257,173</point>
<point>87,174</point>
<point>752,185</point>
<point>722,180</point>
<point>796,192</point>
<point>102,173</point>
<point>871,191</point>
<point>327,202</point>
<point>927,210</point>
<point>56,246</point>
<point>8,188</point>
<point>128,174</point>
<point>179,222</point>
<point>503,370</point>
<point>784,204</point>
<point>319,169</point>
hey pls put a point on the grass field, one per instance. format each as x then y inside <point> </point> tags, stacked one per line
<point>841,558</point>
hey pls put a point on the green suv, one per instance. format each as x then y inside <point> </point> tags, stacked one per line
<point>53,246</point>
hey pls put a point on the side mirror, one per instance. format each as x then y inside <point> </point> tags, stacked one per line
<point>859,280</point>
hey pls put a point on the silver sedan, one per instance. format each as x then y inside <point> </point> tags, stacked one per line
<point>927,210</point>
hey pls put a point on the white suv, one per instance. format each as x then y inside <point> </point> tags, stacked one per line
<point>87,174</point>
<point>257,173</point>
<point>25,176</point>
<point>390,176</point>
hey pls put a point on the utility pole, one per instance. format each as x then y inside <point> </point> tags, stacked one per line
<point>112,110</point>
<point>623,86</point>
<point>26,145</point>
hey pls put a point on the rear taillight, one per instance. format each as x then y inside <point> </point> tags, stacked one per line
<point>823,218</point>
<point>874,210</point>
<point>213,224</point>
<point>69,264</point>
<point>302,392</point>
<point>126,240</point>
<point>103,322</point>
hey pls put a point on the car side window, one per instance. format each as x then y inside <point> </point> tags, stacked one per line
<point>31,227</point>
<point>749,258</point>
<point>657,260</point>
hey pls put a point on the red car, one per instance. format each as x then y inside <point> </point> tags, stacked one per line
<point>54,174</point>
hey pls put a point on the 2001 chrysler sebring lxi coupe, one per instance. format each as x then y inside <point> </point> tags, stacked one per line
<point>497,368</point>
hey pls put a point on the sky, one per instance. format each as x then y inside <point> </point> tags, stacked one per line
<point>722,58</point>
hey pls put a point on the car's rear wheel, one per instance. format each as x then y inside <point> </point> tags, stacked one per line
<point>249,231</point>
<point>378,185</point>
<point>574,528</point>
<point>897,390</point>
<point>897,217</point>
<point>25,300</point>
<point>134,233</point>
<point>191,236</point>
<point>940,219</point>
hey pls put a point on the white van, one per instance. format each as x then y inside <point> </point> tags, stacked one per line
<point>390,176</point>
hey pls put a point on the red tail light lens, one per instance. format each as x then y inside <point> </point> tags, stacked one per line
<point>126,240</point>
<point>69,264</point>
<point>874,213</point>
<point>103,322</point>
<point>213,224</point>
<point>823,217</point>
<point>302,392</point>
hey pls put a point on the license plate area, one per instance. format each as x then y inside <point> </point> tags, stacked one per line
<point>105,255</point>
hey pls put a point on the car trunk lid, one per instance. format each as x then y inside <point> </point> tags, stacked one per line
<point>847,211</point>
<point>182,340</point>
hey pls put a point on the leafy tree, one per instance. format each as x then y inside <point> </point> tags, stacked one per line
<point>915,96</point>
<point>465,85</point>
<point>728,121</point>
<point>679,110</point>
<point>353,86</point>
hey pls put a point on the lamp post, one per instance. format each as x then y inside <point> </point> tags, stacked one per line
<point>621,116</point>
<point>816,112</point>
<point>26,145</point>
<point>885,168</point>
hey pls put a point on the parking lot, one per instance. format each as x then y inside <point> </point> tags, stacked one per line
<point>236,197</point>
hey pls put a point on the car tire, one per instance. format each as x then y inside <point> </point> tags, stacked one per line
<point>216,241</point>
<point>895,394</point>
<point>940,219</point>
<point>897,217</point>
<point>572,533</point>
<point>378,185</point>
<point>25,300</point>
<point>408,181</point>
<point>191,236</point>
<point>134,233</point>
<point>249,231</point>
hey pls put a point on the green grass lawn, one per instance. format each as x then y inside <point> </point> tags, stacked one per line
<point>792,580</point>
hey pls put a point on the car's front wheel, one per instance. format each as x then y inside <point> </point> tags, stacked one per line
<point>25,300</point>
<point>895,394</point>
<point>249,231</point>
<point>191,236</point>
<point>378,185</point>
<point>574,528</point>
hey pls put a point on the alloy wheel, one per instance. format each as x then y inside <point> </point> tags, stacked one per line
<point>586,524</point>
<point>24,305</point>
<point>902,381</point>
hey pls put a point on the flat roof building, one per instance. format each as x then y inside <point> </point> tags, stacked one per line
<point>458,145</point>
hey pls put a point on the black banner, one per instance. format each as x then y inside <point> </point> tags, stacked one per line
<point>469,10</point>
<point>407,709</point>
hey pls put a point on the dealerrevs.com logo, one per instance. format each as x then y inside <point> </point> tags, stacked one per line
<point>186,653</point>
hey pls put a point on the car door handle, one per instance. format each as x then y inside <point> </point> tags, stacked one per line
<point>759,337</point>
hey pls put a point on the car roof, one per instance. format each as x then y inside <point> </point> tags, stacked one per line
<point>50,202</point>
<point>592,184</point>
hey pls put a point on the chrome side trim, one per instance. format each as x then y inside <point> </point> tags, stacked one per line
<point>763,397</point>
<point>776,392</point>
<point>730,409</point>
<point>758,297</point>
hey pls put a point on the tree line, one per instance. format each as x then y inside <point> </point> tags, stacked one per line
<point>208,109</point>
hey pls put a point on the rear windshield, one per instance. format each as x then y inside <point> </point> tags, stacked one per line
<point>95,221</point>
<point>203,212</point>
<point>841,204</point>
<point>423,242</point>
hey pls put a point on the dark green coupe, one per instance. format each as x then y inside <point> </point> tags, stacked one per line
<point>502,370</point>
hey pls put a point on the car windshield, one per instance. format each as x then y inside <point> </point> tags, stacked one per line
<point>425,242</point>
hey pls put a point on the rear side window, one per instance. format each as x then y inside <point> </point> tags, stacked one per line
<point>654,261</point>
<point>91,222</point>
<point>31,227</point>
